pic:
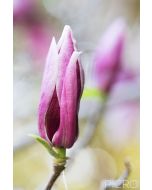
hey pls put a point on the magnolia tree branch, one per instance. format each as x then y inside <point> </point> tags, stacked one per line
<point>57,171</point>
<point>108,184</point>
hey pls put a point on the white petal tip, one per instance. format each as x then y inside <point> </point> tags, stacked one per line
<point>52,49</point>
<point>67,28</point>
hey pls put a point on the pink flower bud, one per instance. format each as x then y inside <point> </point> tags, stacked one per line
<point>107,57</point>
<point>62,87</point>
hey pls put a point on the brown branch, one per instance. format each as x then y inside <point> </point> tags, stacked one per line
<point>57,171</point>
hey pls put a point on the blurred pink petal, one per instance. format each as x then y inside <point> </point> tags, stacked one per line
<point>107,58</point>
<point>38,37</point>
<point>22,8</point>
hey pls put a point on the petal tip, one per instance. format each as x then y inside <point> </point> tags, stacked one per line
<point>53,46</point>
<point>67,29</point>
<point>53,42</point>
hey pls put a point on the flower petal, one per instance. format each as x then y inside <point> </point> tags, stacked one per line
<point>108,55</point>
<point>66,31</point>
<point>48,86</point>
<point>80,75</point>
<point>66,47</point>
<point>68,130</point>
<point>52,119</point>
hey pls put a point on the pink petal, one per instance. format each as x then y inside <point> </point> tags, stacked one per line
<point>66,47</point>
<point>68,130</point>
<point>108,55</point>
<point>80,72</point>
<point>48,86</point>
<point>52,119</point>
<point>22,9</point>
<point>66,30</point>
<point>80,82</point>
<point>111,43</point>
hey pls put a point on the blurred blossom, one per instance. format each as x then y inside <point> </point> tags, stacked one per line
<point>121,124</point>
<point>38,41</point>
<point>31,21</point>
<point>107,57</point>
<point>22,9</point>
<point>62,88</point>
<point>125,75</point>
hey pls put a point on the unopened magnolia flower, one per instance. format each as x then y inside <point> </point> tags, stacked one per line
<point>107,57</point>
<point>62,87</point>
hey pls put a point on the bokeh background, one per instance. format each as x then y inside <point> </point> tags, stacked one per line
<point>116,134</point>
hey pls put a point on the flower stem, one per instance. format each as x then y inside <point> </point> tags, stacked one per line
<point>58,168</point>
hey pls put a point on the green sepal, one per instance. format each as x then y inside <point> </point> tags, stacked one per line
<point>48,146</point>
<point>61,152</point>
